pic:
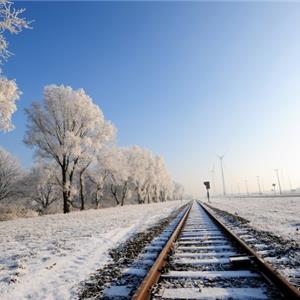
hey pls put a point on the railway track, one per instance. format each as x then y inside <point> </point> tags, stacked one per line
<point>203,259</point>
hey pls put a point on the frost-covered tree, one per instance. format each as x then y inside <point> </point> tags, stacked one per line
<point>149,175</point>
<point>9,173</point>
<point>9,94</point>
<point>65,128</point>
<point>138,161</point>
<point>90,154</point>
<point>162,184</point>
<point>97,176</point>
<point>12,22</point>
<point>100,172</point>
<point>178,191</point>
<point>42,185</point>
<point>119,174</point>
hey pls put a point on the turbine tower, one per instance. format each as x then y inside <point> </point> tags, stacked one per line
<point>222,173</point>
<point>278,180</point>
<point>258,183</point>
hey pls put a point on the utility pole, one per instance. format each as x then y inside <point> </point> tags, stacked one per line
<point>278,180</point>
<point>247,190</point>
<point>258,183</point>
<point>222,173</point>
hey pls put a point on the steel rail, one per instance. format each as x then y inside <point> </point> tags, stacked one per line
<point>152,277</point>
<point>289,291</point>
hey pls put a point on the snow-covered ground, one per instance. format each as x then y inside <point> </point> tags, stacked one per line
<point>277,215</point>
<point>46,257</point>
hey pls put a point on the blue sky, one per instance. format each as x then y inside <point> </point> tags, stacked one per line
<point>187,80</point>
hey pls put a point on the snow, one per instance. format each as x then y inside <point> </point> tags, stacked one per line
<point>117,291</point>
<point>135,271</point>
<point>210,274</point>
<point>206,242</point>
<point>201,238</point>
<point>215,293</point>
<point>221,247</point>
<point>205,254</point>
<point>201,262</point>
<point>47,257</point>
<point>280,216</point>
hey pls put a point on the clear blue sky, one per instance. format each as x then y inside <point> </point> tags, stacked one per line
<point>187,80</point>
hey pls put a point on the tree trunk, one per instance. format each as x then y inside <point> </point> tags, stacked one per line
<point>140,200</point>
<point>65,192</point>
<point>124,192</point>
<point>81,182</point>
<point>96,198</point>
<point>155,194</point>
<point>81,190</point>
<point>114,193</point>
<point>149,198</point>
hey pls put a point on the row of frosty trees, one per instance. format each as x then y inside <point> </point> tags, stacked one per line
<point>80,159</point>
<point>78,163</point>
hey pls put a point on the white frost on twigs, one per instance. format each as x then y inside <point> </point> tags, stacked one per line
<point>9,94</point>
<point>68,128</point>
<point>10,21</point>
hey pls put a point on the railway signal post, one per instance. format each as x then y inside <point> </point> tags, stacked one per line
<point>207,185</point>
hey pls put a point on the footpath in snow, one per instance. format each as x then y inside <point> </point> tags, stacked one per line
<point>280,216</point>
<point>46,257</point>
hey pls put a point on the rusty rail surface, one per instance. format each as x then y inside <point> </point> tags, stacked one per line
<point>144,290</point>
<point>289,291</point>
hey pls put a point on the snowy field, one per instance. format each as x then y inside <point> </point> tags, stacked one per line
<point>46,257</point>
<point>277,215</point>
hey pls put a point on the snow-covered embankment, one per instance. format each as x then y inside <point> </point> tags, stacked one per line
<point>280,216</point>
<point>46,257</point>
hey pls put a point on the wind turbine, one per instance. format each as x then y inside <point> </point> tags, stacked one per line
<point>222,173</point>
<point>258,183</point>
<point>278,180</point>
